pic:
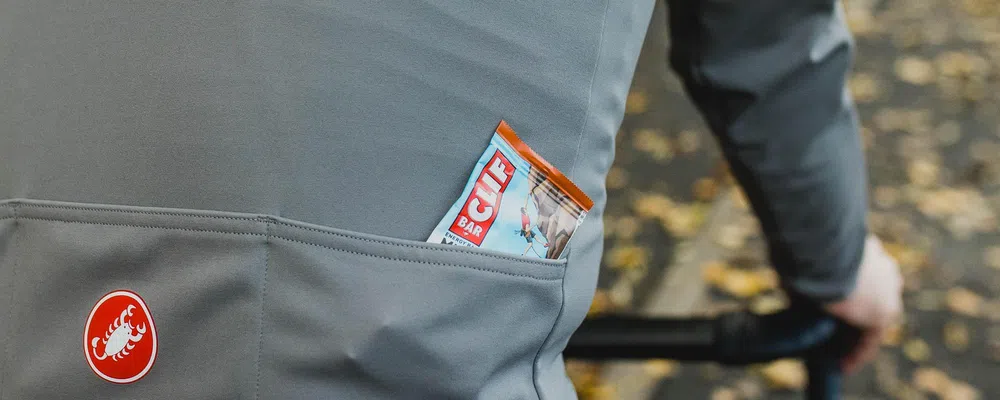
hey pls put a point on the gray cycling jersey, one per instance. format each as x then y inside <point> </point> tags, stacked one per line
<point>228,199</point>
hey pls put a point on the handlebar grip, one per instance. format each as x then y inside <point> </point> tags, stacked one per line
<point>737,338</point>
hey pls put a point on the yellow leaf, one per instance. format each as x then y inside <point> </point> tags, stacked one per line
<point>628,257</point>
<point>714,272</point>
<point>627,227</point>
<point>914,70</point>
<point>767,304</point>
<point>660,369</point>
<point>893,336</point>
<point>961,391</point>
<point>864,87</point>
<point>749,389</point>
<point>724,393</point>
<point>653,206</point>
<point>682,221</point>
<point>602,392</point>
<point>964,302</point>
<point>785,374</point>
<point>931,380</point>
<point>740,198</point>
<point>636,103</point>
<point>740,284</point>
<point>705,189</point>
<point>731,237</point>
<point>653,142</point>
<point>688,141</point>
<point>617,178</point>
<point>956,336</point>
<point>923,172</point>
<point>600,304</point>
<point>916,350</point>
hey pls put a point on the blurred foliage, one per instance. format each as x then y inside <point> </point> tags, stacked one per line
<point>926,84</point>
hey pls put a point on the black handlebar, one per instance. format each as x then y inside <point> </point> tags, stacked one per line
<point>736,338</point>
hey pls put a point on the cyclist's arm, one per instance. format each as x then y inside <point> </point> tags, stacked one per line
<point>769,78</point>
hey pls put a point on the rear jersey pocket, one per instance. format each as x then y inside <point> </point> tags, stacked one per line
<point>258,306</point>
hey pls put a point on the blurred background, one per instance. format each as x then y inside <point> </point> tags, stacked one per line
<point>680,239</point>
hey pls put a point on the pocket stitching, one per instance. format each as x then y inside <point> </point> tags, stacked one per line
<point>307,243</point>
<point>263,218</point>
<point>100,209</point>
<point>414,246</point>
<point>140,226</point>
<point>419,262</point>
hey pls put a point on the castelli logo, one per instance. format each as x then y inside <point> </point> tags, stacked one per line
<point>120,339</point>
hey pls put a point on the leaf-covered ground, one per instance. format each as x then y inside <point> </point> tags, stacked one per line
<point>926,83</point>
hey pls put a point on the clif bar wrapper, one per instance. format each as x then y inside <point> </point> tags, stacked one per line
<point>514,202</point>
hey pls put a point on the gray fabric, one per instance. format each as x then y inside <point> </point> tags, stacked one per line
<point>254,306</point>
<point>232,161</point>
<point>769,77</point>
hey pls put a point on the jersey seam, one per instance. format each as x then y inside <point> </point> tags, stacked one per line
<point>270,236</point>
<point>418,262</point>
<point>10,316</point>
<point>590,90</point>
<point>263,300</point>
<point>276,222</point>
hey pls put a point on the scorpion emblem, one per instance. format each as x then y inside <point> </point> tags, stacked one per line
<point>119,340</point>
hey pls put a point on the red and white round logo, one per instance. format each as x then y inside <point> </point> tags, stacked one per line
<point>120,339</point>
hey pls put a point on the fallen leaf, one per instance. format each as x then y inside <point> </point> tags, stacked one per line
<point>956,336</point>
<point>683,221</point>
<point>620,294</point>
<point>785,374</point>
<point>767,304</point>
<point>960,391</point>
<point>660,369</point>
<point>740,284</point>
<point>636,103</point>
<point>861,22</point>
<point>749,389</point>
<point>602,392</point>
<point>914,70</point>
<point>628,257</point>
<point>739,197</point>
<point>600,304</point>
<point>893,336</point>
<point>864,87</point>
<point>714,272</point>
<point>688,141</point>
<point>705,189</point>
<point>963,301</point>
<point>653,142</point>
<point>923,173</point>
<point>617,178</point>
<point>653,206</point>
<point>931,380</point>
<point>730,237</point>
<point>724,393</point>
<point>916,350</point>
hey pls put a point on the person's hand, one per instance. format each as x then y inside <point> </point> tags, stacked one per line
<point>874,306</point>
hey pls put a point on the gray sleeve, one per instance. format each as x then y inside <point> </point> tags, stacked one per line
<point>769,79</point>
